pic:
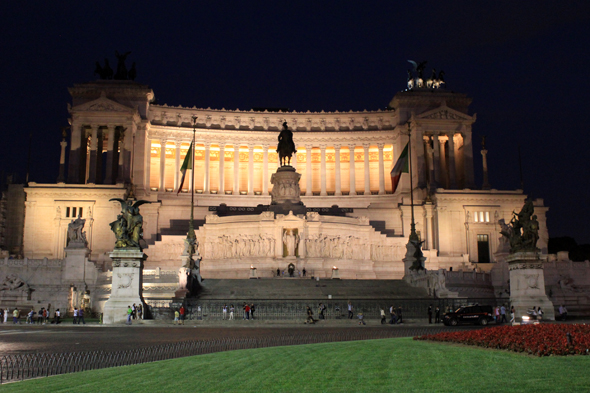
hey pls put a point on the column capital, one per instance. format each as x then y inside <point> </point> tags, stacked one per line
<point>323,147</point>
<point>308,146</point>
<point>250,148</point>
<point>265,146</point>
<point>207,144</point>
<point>337,146</point>
<point>111,126</point>
<point>380,146</point>
<point>366,146</point>
<point>351,146</point>
<point>178,143</point>
<point>221,146</point>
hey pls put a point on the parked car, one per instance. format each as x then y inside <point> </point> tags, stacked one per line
<point>469,314</point>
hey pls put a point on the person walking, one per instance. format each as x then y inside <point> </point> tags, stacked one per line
<point>497,314</point>
<point>231,312</point>
<point>15,315</point>
<point>361,319</point>
<point>40,316</point>
<point>382,316</point>
<point>252,309</point>
<point>309,319</point>
<point>224,316</point>
<point>503,314</point>
<point>512,314</point>
<point>81,316</point>
<point>244,311</point>
<point>182,312</point>
<point>57,316</point>
<point>45,316</point>
<point>437,314</point>
<point>6,312</point>
<point>430,314</point>
<point>140,311</point>
<point>176,317</point>
<point>304,271</point>
<point>539,313</point>
<point>350,310</point>
<point>562,313</point>
<point>30,317</point>
<point>247,311</point>
<point>129,314</point>
<point>134,311</point>
<point>75,315</point>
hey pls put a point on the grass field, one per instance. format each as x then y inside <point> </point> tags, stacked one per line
<point>389,365</point>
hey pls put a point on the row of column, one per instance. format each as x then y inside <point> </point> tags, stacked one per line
<point>265,180</point>
<point>440,172</point>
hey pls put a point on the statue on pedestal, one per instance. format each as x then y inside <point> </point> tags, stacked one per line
<point>523,231</point>
<point>76,235</point>
<point>128,227</point>
<point>286,146</point>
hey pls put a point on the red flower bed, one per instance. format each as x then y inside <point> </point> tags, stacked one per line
<point>540,340</point>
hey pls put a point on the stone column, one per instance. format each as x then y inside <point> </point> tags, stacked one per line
<point>236,169</point>
<point>110,154</point>
<point>380,146</point>
<point>120,170</point>
<point>338,180</point>
<point>177,164</point>
<point>62,161</point>
<point>443,162</point>
<point>294,161</point>
<point>418,156</point>
<point>162,184</point>
<point>93,154</point>
<point>351,171</point>
<point>323,171</point>
<point>265,170</point>
<point>436,160</point>
<point>207,175</point>
<point>308,175</point>
<point>221,190</point>
<point>467,151</point>
<point>250,170</point>
<point>452,168</point>
<point>430,154</point>
<point>484,157</point>
<point>75,146</point>
<point>367,169</point>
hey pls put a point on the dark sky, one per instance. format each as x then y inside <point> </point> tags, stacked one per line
<point>525,64</point>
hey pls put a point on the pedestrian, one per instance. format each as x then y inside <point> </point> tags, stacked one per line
<point>57,316</point>
<point>247,311</point>
<point>30,317</point>
<point>512,314</point>
<point>129,314</point>
<point>437,314</point>
<point>309,319</point>
<point>176,317</point>
<point>497,314</point>
<point>81,316</point>
<point>40,316</point>
<point>231,312</point>
<point>539,313</point>
<point>75,315</point>
<point>562,313</point>
<point>304,271</point>
<point>350,309</point>
<point>140,311</point>
<point>244,311</point>
<point>361,318</point>
<point>382,316</point>
<point>2,315</point>
<point>45,316</point>
<point>6,312</point>
<point>224,312</point>
<point>430,314</point>
<point>503,313</point>
<point>321,311</point>
<point>15,315</point>
<point>252,309</point>
<point>278,272</point>
<point>182,311</point>
<point>134,311</point>
<point>399,315</point>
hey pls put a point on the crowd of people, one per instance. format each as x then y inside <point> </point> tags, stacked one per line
<point>41,317</point>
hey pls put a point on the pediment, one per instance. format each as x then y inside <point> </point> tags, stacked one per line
<point>102,104</point>
<point>443,112</point>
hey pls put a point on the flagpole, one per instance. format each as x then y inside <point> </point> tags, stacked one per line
<point>191,229</point>
<point>413,234</point>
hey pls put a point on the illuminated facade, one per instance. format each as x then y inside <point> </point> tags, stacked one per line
<point>120,138</point>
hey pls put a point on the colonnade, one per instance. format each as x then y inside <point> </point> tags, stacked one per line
<point>206,184</point>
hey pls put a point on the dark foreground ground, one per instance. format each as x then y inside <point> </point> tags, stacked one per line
<point>22,339</point>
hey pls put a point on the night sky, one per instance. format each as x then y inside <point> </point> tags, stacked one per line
<point>525,64</point>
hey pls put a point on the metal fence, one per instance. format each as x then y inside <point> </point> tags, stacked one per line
<point>28,366</point>
<point>275,309</point>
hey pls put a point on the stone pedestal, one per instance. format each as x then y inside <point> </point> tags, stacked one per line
<point>126,286</point>
<point>286,194</point>
<point>335,274</point>
<point>413,256</point>
<point>75,263</point>
<point>253,274</point>
<point>527,285</point>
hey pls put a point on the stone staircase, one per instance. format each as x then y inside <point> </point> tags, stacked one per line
<point>380,227</point>
<point>300,288</point>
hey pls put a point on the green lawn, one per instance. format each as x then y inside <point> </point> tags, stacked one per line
<point>363,366</point>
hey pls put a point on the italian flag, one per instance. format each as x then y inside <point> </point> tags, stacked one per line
<point>186,164</point>
<point>401,166</point>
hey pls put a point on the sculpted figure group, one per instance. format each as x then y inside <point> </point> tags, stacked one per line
<point>106,72</point>
<point>523,231</point>
<point>224,247</point>
<point>128,227</point>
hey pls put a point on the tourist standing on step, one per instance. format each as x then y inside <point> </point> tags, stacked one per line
<point>430,314</point>
<point>231,312</point>
<point>350,310</point>
<point>182,312</point>
<point>224,312</point>
<point>437,314</point>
